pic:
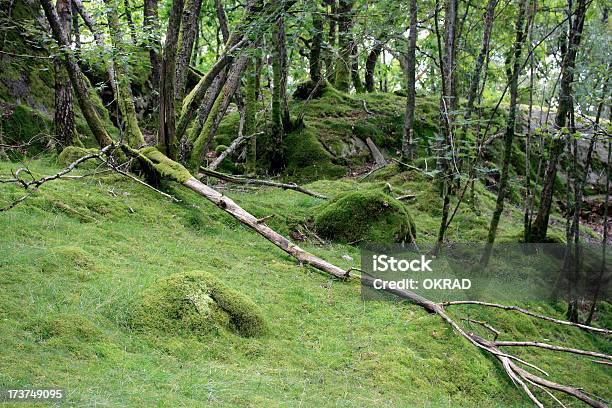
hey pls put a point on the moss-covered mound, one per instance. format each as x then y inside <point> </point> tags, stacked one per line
<point>365,216</point>
<point>196,303</point>
<point>71,154</point>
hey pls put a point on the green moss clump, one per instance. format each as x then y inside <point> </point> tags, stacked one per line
<point>220,149</point>
<point>196,303</point>
<point>66,258</point>
<point>370,216</point>
<point>307,159</point>
<point>20,123</point>
<point>164,166</point>
<point>72,153</point>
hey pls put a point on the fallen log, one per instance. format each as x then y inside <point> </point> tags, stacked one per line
<point>249,181</point>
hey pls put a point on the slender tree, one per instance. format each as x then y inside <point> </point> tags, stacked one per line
<point>64,112</point>
<point>410,74</point>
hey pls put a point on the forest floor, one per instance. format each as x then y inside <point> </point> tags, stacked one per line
<point>75,257</point>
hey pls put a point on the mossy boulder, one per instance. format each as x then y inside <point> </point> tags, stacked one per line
<point>365,216</point>
<point>72,153</point>
<point>196,303</point>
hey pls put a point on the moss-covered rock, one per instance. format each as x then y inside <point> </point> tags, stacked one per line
<point>72,153</point>
<point>196,303</point>
<point>365,216</point>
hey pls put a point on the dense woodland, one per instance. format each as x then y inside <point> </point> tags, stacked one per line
<point>319,125</point>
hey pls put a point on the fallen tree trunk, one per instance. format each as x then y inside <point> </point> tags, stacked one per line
<point>248,181</point>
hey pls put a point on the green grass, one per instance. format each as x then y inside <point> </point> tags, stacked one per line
<point>76,257</point>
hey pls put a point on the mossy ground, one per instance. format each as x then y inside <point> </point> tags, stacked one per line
<point>69,278</point>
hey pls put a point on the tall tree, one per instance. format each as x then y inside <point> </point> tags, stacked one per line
<point>370,66</point>
<point>189,26</point>
<point>345,44</point>
<point>167,132</point>
<point>151,30</point>
<point>316,45</point>
<point>514,65</point>
<point>540,224</point>
<point>410,73</point>
<point>64,112</point>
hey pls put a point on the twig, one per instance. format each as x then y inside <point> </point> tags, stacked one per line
<point>486,326</point>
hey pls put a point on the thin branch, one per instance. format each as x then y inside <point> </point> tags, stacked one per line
<point>529,313</point>
<point>552,347</point>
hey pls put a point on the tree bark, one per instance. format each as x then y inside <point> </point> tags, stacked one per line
<point>189,26</point>
<point>343,63</point>
<point>357,84</point>
<point>370,67</point>
<point>410,69</point>
<point>540,224</point>
<point>331,40</point>
<point>201,144</point>
<point>315,46</point>
<point>167,127</point>
<point>520,28</point>
<point>64,112</point>
<point>151,29</point>
<point>280,111</point>
<point>250,110</point>
<point>222,17</point>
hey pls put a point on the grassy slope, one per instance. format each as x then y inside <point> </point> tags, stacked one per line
<point>68,281</point>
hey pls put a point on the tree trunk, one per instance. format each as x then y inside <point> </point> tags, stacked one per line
<point>357,84</point>
<point>167,132</point>
<point>370,67</point>
<point>540,224</point>
<point>201,144</point>
<point>97,33</point>
<point>315,47</point>
<point>343,63</point>
<point>280,111</point>
<point>151,29</point>
<point>331,40</point>
<point>410,72</point>
<point>124,97</point>
<point>79,83</point>
<point>249,116</point>
<point>509,135</point>
<point>64,113</point>
<point>189,26</point>
<point>482,56</point>
<point>130,20</point>
<point>222,17</point>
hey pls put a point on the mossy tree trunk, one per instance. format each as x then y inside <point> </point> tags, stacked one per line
<point>331,40</point>
<point>410,73</point>
<point>124,97</point>
<point>81,87</point>
<point>189,26</point>
<point>130,21</point>
<point>521,30</point>
<point>64,113</point>
<point>540,224</point>
<point>250,109</point>
<point>222,17</point>
<point>217,112</point>
<point>343,63</point>
<point>151,29</point>
<point>315,46</point>
<point>167,127</point>
<point>357,84</point>
<point>280,110</point>
<point>370,67</point>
